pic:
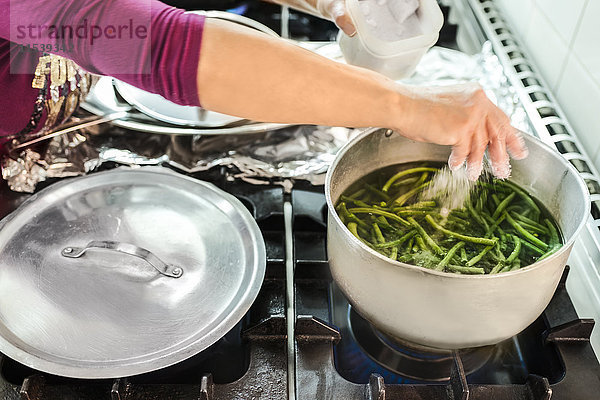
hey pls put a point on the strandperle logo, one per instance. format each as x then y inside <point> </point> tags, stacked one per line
<point>90,33</point>
<point>83,31</point>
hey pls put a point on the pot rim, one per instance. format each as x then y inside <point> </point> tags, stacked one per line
<point>531,267</point>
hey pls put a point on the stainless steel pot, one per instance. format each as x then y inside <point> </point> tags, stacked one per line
<point>438,309</point>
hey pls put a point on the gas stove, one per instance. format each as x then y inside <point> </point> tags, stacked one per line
<point>302,340</point>
<point>330,351</point>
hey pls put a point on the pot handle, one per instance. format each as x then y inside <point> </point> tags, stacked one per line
<point>126,248</point>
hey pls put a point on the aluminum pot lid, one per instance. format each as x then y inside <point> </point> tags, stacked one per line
<point>124,272</point>
<point>156,106</point>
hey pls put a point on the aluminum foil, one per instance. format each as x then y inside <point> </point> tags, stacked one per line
<point>280,156</point>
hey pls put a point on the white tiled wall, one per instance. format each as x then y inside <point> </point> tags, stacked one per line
<point>563,39</point>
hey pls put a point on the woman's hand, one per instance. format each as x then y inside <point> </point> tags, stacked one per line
<point>462,116</point>
<point>335,10</point>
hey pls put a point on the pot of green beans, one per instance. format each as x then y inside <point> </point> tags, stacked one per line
<point>450,278</point>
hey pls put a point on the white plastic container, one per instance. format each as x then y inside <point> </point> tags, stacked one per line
<point>395,59</point>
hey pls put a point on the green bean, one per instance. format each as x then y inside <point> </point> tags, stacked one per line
<point>422,178</point>
<point>416,206</point>
<point>400,174</point>
<point>411,243</point>
<point>454,218</point>
<point>377,192</point>
<point>505,267</point>
<point>481,199</point>
<point>479,256</point>
<point>472,239</point>
<point>521,194</point>
<point>498,252</point>
<point>425,236</point>
<point>496,232</point>
<point>549,253</point>
<point>459,214</point>
<point>521,218</point>
<point>442,264</point>
<point>378,234</point>
<point>525,233</point>
<point>364,232</point>
<point>516,265</point>
<point>466,270</point>
<point>532,247</point>
<point>515,253</point>
<point>405,181</point>
<point>554,241</point>
<point>384,224</point>
<point>358,193</point>
<point>495,225</point>
<point>400,200</point>
<point>345,214</point>
<point>397,242</point>
<point>357,202</point>
<point>503,204</point>
<point>487,217</point>
<point>394,254</point>
<point>404,258</point>
<point>497,268</point>
<point>352,227</point>
<point>495,257</point>
<point>478,218</point>
<point>420,242</point>
<point>370,210</point>
<point>533,228</point>
<point>412,212</point>
<point>494,188</point>
<point>373,236</point>
<point>496,199</point>
<point>458,225</point>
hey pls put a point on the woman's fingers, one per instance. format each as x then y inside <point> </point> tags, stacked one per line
<point>499,159</point>
<point>464,117</point>
<point>475,159</point>
<point>345,24</point>
<point>338,13</point>
<point>516,145</point>
<point>497,150</point>
<point>459,154</point>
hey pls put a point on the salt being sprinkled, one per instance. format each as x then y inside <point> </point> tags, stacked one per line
<point>452,189</point>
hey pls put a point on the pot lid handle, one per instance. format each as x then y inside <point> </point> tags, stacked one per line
<point>130,249</point>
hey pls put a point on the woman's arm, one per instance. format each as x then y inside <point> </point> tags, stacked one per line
<point>246,73</point>
<point>142,42</point>
<point>249,74</point>
<point>252,75</point>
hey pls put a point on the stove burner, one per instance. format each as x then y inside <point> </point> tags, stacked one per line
<point>413,360</point>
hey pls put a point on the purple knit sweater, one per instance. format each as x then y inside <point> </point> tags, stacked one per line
<point>143,42</point>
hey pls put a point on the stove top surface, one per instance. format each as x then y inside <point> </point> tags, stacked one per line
<point>337,354</point>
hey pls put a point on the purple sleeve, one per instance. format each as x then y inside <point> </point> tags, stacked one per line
<point>142,42</point>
